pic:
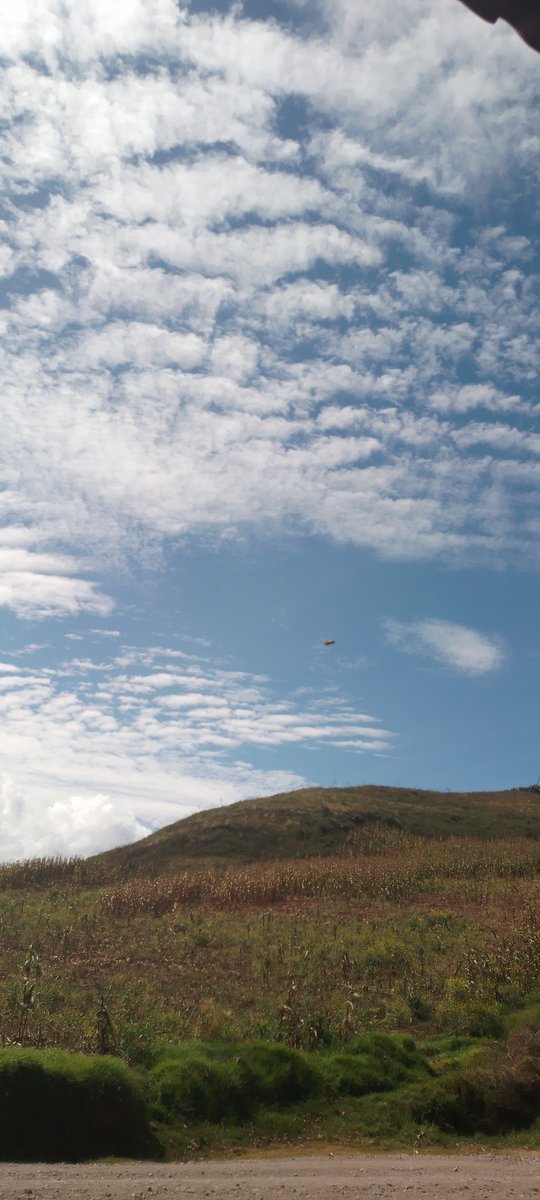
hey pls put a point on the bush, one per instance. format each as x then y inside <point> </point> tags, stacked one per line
<point>355,1075</point>
<point>277,1074</point>
<point>376,1063</point>
<point>58,1106</point>
<point>494,1094</point>
<point>198,1082</point>
<point>223,1083</point>
<point>195,1088</point>
<point>478,1016</point>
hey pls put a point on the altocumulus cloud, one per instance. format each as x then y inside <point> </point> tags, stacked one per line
<point>464,650</point>
<point>217,319</point>
<point>255,275</point>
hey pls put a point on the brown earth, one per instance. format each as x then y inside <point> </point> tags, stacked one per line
<point>486,1176</point>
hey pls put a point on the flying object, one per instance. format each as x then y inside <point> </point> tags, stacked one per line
<point>522,15</point>
<point>330,642</point>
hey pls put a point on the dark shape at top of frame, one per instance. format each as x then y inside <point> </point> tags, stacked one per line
<point>522,15</point>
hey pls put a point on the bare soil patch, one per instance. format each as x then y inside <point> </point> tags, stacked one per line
<point>325,1177</point>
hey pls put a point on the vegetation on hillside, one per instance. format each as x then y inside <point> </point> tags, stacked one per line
<point>399,933</point>
<point>319,821</point>
<point>382,1089</point>
<point>386,994</point>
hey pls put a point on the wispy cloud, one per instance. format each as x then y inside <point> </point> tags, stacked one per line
<point>153,735</point>
<point>464,650</point>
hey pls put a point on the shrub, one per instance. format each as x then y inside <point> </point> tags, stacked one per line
<point>387,1048</point>
<point>355,1075</point>
<point>60,1106</point>
<point>493,1094</point>
<point>477,1016</point>
<point>195,1088</point>
<point>511,1085</point>
<point>220,1083</point>
<point>278,1074</point>
<point>377,1063</point>
<point>420,1007</point>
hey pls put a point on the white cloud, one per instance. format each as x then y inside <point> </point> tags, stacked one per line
<point>154,735</point>
<point>218,322</point>
<point>476,395</point>
<point>498,436</point>
<point>73,826</point>
<point>464,650</point>
<point>41,585</point>
<point>53,31</point>
<point>223,311</point>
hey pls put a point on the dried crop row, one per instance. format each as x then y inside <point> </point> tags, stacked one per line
<point>43,872</point>
<point>414,866</point>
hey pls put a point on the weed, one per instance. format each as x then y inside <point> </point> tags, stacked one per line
<point>105,1037</point>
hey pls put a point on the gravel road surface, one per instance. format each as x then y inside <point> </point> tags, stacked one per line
<point>324,1177</point>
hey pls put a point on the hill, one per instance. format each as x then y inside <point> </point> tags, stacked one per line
<point>303,967</point>
<point>315,821</point>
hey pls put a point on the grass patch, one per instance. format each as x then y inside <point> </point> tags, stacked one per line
<point>495,1091</point>
<point>230,1083</point>
<point>220,1082</point>
<point>384,1091</point>
<point>193,1088</point>
<point>56,1106</point>
<point>375,1063</point>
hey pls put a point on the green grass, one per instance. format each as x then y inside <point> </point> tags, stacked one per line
<point>385,1092</point>
<point>199,1082</point>
<point>207,1094</point>
<point>59,1106</point>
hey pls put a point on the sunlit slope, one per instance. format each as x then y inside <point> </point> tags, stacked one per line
<point>320,820</point>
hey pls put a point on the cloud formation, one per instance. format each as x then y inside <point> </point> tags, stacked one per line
<point>464,650</point>
<point>75,826</point>
<point>154,735</point>
<point>241,291</point>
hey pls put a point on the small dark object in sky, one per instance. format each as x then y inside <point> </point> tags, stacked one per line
<point>330,642</point>
<point>522,15</point>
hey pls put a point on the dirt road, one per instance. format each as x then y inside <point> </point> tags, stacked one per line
<point>325,1177</point>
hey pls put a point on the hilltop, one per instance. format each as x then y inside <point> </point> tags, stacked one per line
<point>318,821</point>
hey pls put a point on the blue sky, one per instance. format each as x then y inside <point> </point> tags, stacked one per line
<point>270,356</point>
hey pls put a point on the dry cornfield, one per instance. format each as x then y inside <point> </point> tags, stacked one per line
<point>397,932</point>
<point>404,868</point>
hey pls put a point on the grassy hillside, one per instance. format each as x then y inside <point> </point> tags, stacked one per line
<point>313,972</point>
<point>402,933</point>
<point>321,820</point>
<point>354,966</point>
